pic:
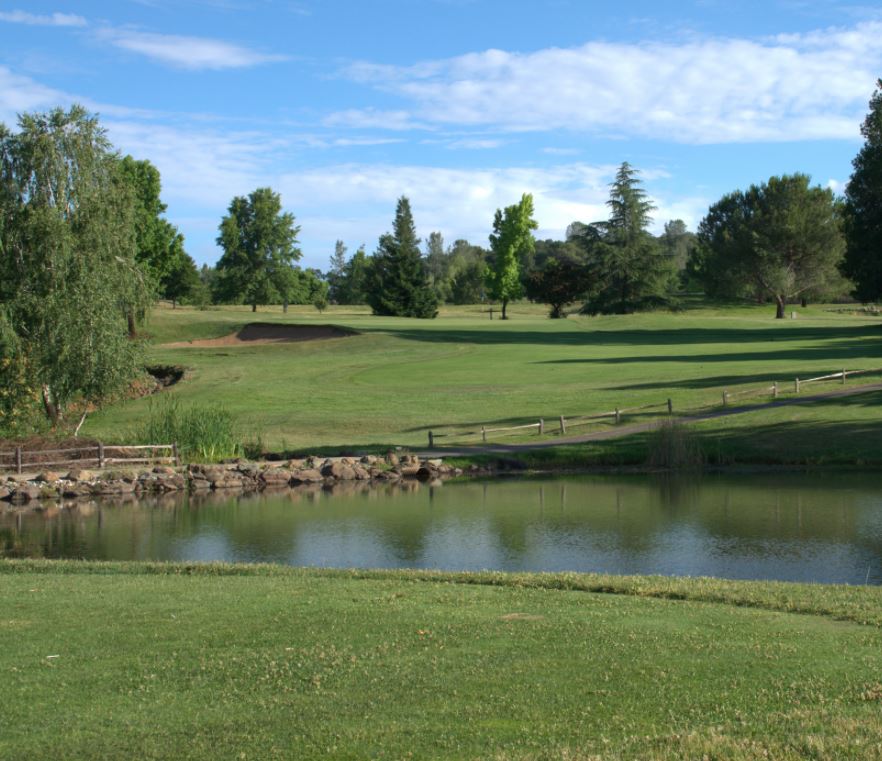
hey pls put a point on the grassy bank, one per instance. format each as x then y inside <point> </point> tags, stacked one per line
<point>398,378</point>
<point>263,662</point>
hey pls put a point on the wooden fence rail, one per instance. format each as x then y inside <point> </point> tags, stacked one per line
<point>100,454</point>
<point>564,423</point>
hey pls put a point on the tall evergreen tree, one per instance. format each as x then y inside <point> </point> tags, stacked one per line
<point>627,263</point>
<point>863,209</point>
<point>260,246</point>
<point>398,283</point>
<point>512,243</point>
<point>355,278</point>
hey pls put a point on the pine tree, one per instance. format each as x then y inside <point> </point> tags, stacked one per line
<point>398,283</point>
<point>337,272</point>
<point>863,209</point>
<point>626,261</point>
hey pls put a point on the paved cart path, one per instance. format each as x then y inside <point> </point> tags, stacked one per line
<point>627,430</point>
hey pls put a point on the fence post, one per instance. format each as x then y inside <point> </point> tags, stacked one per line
<point>100,455</point>
<point>670,407</point>
<point>483,433</point>
<point>18,460</point>
<point>541,426</point>
<point>843,376</point>
<point>796,384</point>
<point>175,454</point>
<point>775,390</point>
<point>618,416</point>
<point>725,398</point>
<point>431,441</point>
<point>563,426</point>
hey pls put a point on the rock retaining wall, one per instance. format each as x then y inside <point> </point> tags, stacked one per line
<point>242,476</point>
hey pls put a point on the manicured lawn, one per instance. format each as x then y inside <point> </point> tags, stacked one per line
<point>398,377</point>
<point>153,661</point>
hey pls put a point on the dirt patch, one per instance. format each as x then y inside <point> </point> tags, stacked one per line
<point>269,333</point>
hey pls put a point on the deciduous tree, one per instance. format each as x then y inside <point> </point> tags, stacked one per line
<point>68,275</point>
<point>259,241</point>
<point>511,243</point>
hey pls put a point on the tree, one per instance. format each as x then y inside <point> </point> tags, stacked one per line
<point>337,273</point>
<point>398,282</point>
<point>68,274</point>
<point>863,209</point>
<point>778,240</point>
<point>511,242</point>
<point>560,281</point>
<point>353,289</point>
<point>183,281</point>
<point>627,263</point>
<point>259,241</point>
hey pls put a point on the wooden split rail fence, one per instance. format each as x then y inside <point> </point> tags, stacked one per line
<point>565,423</point>
<point>98,455</point>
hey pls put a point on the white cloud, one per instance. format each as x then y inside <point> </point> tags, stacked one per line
<point>716,90</point>
<point>187,52</point>
<point>19,93</point>
<point>32,19</point>
<point>370,118</point>
<point>476,144</point>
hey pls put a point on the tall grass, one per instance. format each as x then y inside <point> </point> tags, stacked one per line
<point>202,431</point>
<point>672,445</point>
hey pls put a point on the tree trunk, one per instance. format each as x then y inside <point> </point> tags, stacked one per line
<point>254,307</point>
<point>174,303</point>
<point>51,408</point>
<point>804,302</point>
<point>504,305</point>
<point>285,306</point>
<point>779,307</point>
<point>130,319</point>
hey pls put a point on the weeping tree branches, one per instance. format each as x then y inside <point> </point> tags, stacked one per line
<point>68,275</point>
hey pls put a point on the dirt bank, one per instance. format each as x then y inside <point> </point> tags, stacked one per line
<point>267,333</point>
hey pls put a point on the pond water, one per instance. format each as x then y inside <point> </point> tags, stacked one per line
<point>824,528</point>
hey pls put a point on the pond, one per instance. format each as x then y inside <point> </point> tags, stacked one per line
<point>796,527</point>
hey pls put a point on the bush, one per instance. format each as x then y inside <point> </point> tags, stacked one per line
<point>202,432</point>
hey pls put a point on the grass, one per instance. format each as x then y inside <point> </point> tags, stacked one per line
<point>399,378</point>
<point>152,660</point>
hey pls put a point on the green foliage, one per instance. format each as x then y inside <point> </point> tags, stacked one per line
<point>68,274</point>
<point>628,265</point>
<point>398,283</point>
<point>320,302</point>
<point>511,243</point>
<point>202,431</point>
<point>259,241</point>
<point>183,283</point>
<point>337,273</point>
<point>780,240</point>
<point>559,282</point>
<point>863,209</point>
<point>673,446</point>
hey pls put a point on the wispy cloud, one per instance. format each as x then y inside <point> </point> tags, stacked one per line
<point>33,19</point>
<point>710,90</point>
<point>184,52</point>
<point>372,118</point>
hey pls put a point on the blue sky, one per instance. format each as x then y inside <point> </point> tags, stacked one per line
<point>462,105</point>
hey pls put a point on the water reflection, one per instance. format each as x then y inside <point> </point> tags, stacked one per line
<point>791,526</point>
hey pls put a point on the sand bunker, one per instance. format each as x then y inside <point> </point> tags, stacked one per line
<point>270,333</point>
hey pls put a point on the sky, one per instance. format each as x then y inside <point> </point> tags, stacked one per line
<point>342,106</point>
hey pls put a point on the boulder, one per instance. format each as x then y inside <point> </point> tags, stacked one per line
<point>392,459</point>
<point>275,477</point>
<point>25,492</point>
<point>409,471</point>
<point>47,476</point>
<point>164,470</point>
<point>435,463</point>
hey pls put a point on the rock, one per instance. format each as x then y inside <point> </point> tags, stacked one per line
<point>47,476</point>
<point>25,493</point>
<point>392,459</point>
<point>5,492</point>
<point>368,460</point>
<point>306,476</point>
<point>337,469</point>
<point>409,471</point>
<point>296,464</point>
<point>361,474</point>
<point>436,463</point>
<point>164,470</point>
<point>75,489</point>
<point>424,474</point>
<point>276,477</point>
